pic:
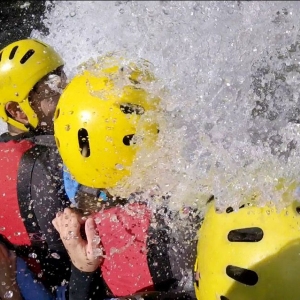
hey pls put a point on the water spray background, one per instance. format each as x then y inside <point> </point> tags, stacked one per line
<point>232,74</point>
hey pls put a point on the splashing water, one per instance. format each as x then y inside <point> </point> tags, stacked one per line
<point>8,294</point>
<point>230,72</point>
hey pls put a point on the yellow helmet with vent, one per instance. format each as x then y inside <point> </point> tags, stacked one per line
<point>22,65</point>
<point>100,123</point>
<point>252,253</point>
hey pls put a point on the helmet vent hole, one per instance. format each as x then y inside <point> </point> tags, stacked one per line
<point>223,298</point>
<point>252,234</point>
<point>57,113</point>
<point>26,56</point>
<point>83,140</point>
<point>128,108</point>
<point>127,140</point>
<point>1,56</point>
<point>13,52</point>
<point>211,198</point>
<point>134,81</point>
<point>241,275</point>
<point>57,142</point>
<point>229,210</point>
<point>298,209</point>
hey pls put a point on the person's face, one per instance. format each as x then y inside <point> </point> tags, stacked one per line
<point>44,98</point>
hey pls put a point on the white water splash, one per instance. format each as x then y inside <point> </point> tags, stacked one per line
<point>231,72</point>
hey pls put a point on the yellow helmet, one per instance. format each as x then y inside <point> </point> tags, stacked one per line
<point>22,65</point>
<point>252,253</point>
<point>98,124</point>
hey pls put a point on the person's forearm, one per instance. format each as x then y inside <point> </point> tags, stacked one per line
<point>86,285</point>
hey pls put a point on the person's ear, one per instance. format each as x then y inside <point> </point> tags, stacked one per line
<point>15,112</point>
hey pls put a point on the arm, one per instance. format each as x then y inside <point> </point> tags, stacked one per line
<point>86,285</point>
<point>47,193</point>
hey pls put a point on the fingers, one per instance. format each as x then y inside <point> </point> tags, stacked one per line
<point>93,247</point>
<point>90,231</point>
<point>67,223</point>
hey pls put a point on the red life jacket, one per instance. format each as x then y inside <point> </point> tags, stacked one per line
<point>123,233</point>
<point>11,223</point>
<point>136,253</point>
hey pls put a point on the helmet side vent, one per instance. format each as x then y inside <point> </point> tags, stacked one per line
<point>223,298</point>
<point>1,55</point>
<point>26,56</point>
<point>251,234</point>
<point>13,52</point>
<point>83,141</point>
<point>230,209</point>
<point>128,108</point>
<point>127,140</point>
<point>241,275</point>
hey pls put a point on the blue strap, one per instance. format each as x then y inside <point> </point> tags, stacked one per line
<point>61,292</point>
<point>71,186</point>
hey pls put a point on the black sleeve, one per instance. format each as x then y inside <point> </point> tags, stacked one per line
<point>48,194</point>
<point>49,197</point>
<point>86,285</point>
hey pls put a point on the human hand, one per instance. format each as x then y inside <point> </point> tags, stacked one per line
<point>84,254</point>
<point>8,286</point>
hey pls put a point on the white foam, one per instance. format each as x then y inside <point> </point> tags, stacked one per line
<point>208,55</point>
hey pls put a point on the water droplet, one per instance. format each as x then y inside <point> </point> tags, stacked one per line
<point>109,139</point>
<point>8,294</point>
<point>114,219</point>
<point>67,127</point>
<point>121,11</point>
<point>3,283</point>
<point>32,255</point>
<point>96,240</point>
<point>55,255</point>
<point>64,282</point>
<point>165,11</point>
<point>97,252</point>
<point>30,216</point>
<point>17,233</point>
<point>97,220</point>
<point>297,192</point>
<point>2,228</point>
<point>119,167</point>
<point>72,14</point>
